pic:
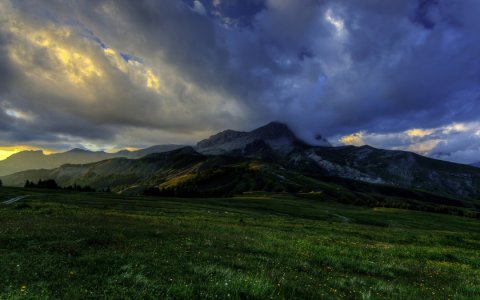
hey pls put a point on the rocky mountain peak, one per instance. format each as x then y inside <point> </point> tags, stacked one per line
<point>275,134</point>
<point>273,130</point>
<point>220,138</point>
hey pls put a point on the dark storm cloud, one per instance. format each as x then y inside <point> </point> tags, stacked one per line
<point>6,72</point>
<point>422,13</point>
<point>329,67</point>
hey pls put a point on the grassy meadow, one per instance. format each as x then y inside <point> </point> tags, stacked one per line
<point>67,245</point>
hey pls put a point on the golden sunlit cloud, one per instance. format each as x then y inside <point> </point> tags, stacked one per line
<point>134,69</point>
<point>115,59</point>
<point>417,140</point>
<point>78,66</point>
<point>71,71</point>
<point>152,81</point>
<point>417,132</point>
<point>456,127</point>
<point>75,65</point>
<point>423,147</point>
<point>143,75</point>
<point>355,139</point>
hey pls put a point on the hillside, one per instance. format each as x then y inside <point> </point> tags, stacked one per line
<point>187,173</point>
<point>397,168</point>
<point>117,172</point>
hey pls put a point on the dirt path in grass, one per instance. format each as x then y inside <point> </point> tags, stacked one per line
<point>15,199</point>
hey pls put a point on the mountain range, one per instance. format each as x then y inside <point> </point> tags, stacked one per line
<point>31,160</point>
<point>270,158</point>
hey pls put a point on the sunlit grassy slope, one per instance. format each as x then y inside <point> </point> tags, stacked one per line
<point>61,245</point>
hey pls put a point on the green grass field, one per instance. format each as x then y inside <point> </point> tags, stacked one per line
<point>65,245</point>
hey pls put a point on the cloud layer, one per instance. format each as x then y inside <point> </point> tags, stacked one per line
<point>131,73</point>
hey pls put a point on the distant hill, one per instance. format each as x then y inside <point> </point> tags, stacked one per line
<point>27,160</point>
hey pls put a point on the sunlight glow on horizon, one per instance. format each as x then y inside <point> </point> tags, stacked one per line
<point>7,151</point>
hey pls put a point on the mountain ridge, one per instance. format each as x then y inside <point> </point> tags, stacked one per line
<point>275,149</point>
<point>37,159</point>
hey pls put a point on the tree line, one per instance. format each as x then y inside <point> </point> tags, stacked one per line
<point>52,185</point>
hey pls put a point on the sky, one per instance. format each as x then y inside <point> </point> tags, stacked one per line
<point>112,74</point>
